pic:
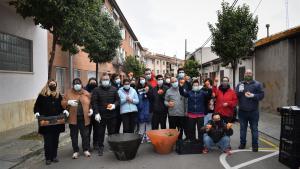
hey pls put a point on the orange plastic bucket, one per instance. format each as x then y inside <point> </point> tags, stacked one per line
<point>163,140</point>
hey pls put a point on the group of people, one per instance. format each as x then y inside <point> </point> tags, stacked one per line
<point>137,102</point>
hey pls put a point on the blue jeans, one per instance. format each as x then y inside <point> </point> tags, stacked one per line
<point>251,118</point>
<point>224,143</point>
<point>207,118</point>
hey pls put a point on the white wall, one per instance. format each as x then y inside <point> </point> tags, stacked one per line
<point>23,86</point>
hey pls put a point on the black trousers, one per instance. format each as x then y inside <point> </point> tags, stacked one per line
<point>129,122</point>
<point>110,124</point>
<point>51,145</point>
<point>159,119</point>
<point>192,123</point>
<point>119,122</point>
<point>84,132</point>
<point>93,127</point>
<point>227,119</point>
<point>178,122</point>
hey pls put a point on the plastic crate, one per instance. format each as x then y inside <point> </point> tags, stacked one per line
<point>290,116</point>
<point>288,160</point>
<point>290,147</point>
<point>290,133</point>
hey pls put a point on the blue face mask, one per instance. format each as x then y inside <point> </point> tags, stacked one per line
<point>181,75</point>
<point>175,84</point>
<point>77,87</point>
<point>126,87</point>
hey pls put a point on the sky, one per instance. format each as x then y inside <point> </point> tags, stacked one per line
<point>163,25</point>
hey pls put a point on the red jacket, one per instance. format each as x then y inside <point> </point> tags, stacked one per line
<point>228,97</point>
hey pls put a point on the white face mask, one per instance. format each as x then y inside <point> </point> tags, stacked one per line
<point>175,84</point>
<point>196,88</point>
<point>168,80</point>
<point>181,75</point>
<point>126,87</point>
<point>118,81</point>
<point>142,81</point>
<point>160,82</point>
<point>77,87</point>
<point>105,83</point>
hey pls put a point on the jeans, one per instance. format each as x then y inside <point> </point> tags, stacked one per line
<point>207,118</point>
<point>51,145</point>
<point>251,118</point>
<point>224,143</point>
<point>84,132</point>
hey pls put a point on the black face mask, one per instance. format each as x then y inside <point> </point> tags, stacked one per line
<point>132,85</point>
<point>92,86</point>
<point>52,88</point>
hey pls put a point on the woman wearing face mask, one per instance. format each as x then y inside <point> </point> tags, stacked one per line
<point>48,104</point>
<point>92,84</point>
<point>144,104</point>
<point>128,109</point>
<point>196,108</point>
<point>226,100</point>
<point>116,82</point>
<point>210,100</point>
<point>77,101</point>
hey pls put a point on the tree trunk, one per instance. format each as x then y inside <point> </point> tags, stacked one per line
<point>52,56</point>
<point>97,68</point>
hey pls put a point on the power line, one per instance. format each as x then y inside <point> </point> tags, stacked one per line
<point>257,6</point>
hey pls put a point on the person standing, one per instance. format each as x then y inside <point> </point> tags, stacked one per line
<point>128,106</point>
<point>77,101</point>
<point>157,98</point>
<point>196,109</point>
<point>116,82</point>
<point>48,103</point>
<point>92,84</point>
<point>210,99</point>
<point>226,100</point>
<point>105,100</point>
<point>167,82</point>
<point>175,103</point>
<point>249,93</point>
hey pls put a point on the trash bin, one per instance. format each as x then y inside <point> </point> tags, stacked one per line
<point>289,150</point>
<point>125,145</point>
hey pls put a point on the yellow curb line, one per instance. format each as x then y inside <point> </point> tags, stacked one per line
<point>269,143</point>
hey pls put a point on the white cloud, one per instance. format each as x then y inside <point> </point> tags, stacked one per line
<point>162,25</point>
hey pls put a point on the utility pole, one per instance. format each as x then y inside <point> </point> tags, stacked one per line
<point>287,13</point>
<point>185,49</point>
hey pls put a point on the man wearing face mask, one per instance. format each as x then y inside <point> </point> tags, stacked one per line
<point>150,78</point>
<point>175,103</point>
<point>116,82</point>
<point>157,98</point>
<point>249,93</point>
<point>105,100</point>
<point>182,80</point>
<point>77,101</point>
<point>226,100</point>
<point>167,80</point>
<point>196,109</point>
<point>217,133</point>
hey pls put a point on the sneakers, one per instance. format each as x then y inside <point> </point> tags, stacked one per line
<point>87,153</point>
<point>228,151</point>
<point>100,151</point>
<point>205,150</point>
<point>242,146</point>
<point>254,149</point>
<point>75,155</point>
<point>48,162</point>
<point>55,160</point>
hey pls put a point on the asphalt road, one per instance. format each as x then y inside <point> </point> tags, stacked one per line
<point>147,159</point>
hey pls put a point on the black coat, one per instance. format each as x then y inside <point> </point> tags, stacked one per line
<point>49,106</point>
<point>101,97</point>
<point>218,131</point>
<point>157,100</point>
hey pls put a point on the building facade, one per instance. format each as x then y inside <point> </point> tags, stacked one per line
<point>67,67</point>
<point>23,67</point>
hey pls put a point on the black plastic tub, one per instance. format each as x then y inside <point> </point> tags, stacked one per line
<point>125,145</point>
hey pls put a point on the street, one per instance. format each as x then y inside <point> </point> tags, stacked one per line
<point>147,159</point>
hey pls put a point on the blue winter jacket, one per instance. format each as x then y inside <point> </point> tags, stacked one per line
<point>196,100</point>
<point>250,104</point>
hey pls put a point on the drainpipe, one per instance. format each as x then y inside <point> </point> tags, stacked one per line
<point>268,26</point>
<point>70,68</point>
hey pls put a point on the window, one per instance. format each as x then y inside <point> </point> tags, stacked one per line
<point>60,78</point>
<point>221,75</point>
<point>76,73</point>
<point>163,62</point>
<point>157,62</point>
<point>123,33</point>
<point>241,73</point>
<point>15,53</point>
<point>157,72</point>
<point>164,71</point>
<point>91,74</point>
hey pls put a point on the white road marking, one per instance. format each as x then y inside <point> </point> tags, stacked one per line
<point>227,166</point>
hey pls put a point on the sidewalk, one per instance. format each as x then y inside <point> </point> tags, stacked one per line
<point>14,150</point>
<point>270,125</point>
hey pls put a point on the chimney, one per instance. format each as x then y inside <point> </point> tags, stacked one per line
<point>268,26</point>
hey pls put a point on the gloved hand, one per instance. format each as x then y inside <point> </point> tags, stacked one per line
<point>249,95</point>
<point>91,112</point>
<point>98,117</point>
<point>65,112</point>
<point>72,103</point>
<point>37,114</point>
<point>241,88</point>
